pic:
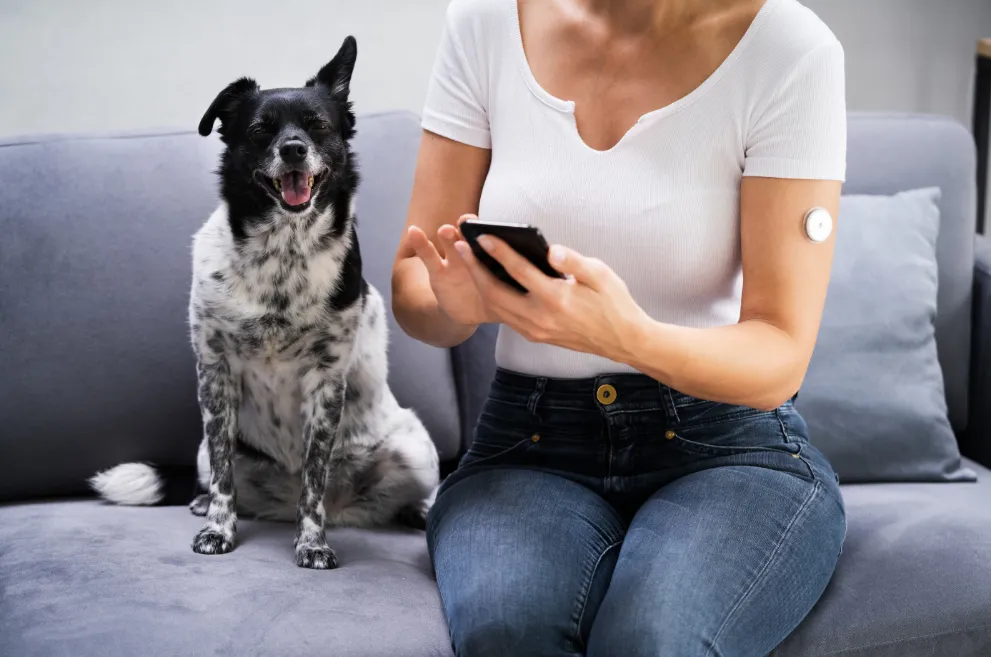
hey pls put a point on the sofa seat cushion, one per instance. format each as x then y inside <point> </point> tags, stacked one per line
<point>85,579</point>
<point>914,579</point>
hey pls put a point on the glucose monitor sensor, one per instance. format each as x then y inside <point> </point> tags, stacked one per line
<point>818,224</point>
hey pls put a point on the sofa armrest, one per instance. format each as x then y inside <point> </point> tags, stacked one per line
<point>978,440</point>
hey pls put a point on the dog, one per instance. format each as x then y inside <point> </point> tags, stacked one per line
<point>299,422</point>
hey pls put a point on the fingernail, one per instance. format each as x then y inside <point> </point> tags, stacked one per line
<point>485,242</point>
<point>462,248</point>
<point>556,255</point>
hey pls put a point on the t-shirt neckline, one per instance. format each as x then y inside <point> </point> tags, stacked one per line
<point>568,106</point>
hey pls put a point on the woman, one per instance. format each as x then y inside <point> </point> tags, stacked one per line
<point>640,482</point>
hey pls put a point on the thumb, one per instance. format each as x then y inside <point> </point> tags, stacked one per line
<point>587,271</point>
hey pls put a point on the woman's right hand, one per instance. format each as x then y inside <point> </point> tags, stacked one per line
<point>452,285</point>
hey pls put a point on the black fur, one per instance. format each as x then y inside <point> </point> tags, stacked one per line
<point>252,120</point>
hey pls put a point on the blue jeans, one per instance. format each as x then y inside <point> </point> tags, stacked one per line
<point>616,516</point>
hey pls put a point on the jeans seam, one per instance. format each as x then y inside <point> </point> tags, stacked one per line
<point>766,567</point>
<point>583,596</point>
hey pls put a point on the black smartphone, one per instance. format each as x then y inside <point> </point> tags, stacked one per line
<point>522,238</point>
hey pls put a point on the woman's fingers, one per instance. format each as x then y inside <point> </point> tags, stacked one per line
<point>521,269</point>
<point>447,235</point>
<point>425,250</point>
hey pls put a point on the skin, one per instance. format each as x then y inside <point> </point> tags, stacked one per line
<point>618,60</point>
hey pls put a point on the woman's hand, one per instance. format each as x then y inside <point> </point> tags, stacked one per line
<point>590,311</point>
<point>452,284</point>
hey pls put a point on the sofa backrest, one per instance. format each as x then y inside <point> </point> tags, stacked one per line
<point>95,362</point>
<point>95,365</point>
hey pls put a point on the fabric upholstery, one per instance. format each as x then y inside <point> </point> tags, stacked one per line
<point>914,579</point>
<point>84,579</point>
<point>873,396</point>
<point>890,153</point>
<point>94,282</point>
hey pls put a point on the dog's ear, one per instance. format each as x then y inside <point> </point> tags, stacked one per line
<point>225,103</point>
<point>336,75</point>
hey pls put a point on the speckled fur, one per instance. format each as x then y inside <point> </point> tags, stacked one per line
<point>290,343</point>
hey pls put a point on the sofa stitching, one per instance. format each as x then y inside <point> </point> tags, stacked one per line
<point>893,642</point>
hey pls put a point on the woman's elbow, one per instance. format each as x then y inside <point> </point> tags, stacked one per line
<point>782,391</point>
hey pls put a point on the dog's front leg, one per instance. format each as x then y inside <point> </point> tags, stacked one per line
<point>219,395</point>
<point>323,405</point>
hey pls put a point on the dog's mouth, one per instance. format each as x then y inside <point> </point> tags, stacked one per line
<point>295,187</point>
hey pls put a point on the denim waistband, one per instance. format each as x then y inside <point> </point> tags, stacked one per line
<point>611,393</point>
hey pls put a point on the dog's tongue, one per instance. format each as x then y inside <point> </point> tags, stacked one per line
<point>295,188</point>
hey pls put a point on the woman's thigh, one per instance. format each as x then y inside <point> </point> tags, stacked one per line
<point>522,560</point>
<point>723,562</point>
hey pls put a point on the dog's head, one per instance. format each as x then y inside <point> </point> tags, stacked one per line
<point>286,149</point>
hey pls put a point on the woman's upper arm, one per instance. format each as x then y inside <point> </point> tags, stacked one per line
<point>785,275</point>
<point>795,161</point>
<point>447,184</point>
<point>454,150</point>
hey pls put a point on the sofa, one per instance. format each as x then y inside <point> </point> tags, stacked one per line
<point>95,369</point>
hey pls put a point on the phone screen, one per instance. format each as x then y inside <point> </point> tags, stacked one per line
<point>525,240</point>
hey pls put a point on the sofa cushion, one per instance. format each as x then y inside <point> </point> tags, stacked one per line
<point>94,282</point>
<point>890,153</point>
<point>83,578</point>
<point>914,579</point>
<point>90,580</point>
<point>873,396</point>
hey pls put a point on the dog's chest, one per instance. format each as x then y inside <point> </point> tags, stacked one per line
<point>270,414</point>
<point>272,304</point>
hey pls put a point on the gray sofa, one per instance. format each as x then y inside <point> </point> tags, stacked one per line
<point>95,369</point>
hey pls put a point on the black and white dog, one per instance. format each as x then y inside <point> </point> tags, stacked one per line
<point>290,341</point>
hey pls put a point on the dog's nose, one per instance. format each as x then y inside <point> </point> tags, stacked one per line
<point>293,151</point>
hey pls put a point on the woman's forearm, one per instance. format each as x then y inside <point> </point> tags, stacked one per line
<point>752,363</point>
<point>417,311</point>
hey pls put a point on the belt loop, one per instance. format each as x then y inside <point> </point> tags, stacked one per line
<point>669,405</point>
<point>538,391</point>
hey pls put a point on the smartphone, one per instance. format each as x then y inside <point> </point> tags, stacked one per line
<point>522,238</point>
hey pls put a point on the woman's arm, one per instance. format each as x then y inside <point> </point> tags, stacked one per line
<point>762,360</point>
<point>447,184</point>
<point>758,362</point>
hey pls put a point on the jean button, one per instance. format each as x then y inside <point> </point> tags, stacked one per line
<point>606,394</point>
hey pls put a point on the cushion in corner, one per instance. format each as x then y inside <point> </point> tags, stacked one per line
<point>873,396</point>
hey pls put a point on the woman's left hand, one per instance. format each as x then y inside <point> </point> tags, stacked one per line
<point>591,310</point>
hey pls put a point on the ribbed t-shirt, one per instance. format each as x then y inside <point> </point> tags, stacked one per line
<point>662,206</point>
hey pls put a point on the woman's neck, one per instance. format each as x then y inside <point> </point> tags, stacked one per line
<point>659,16</point>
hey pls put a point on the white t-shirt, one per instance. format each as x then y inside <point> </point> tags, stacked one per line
<point>662,206</point>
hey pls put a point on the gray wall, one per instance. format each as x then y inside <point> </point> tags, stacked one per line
<point>71,65</point>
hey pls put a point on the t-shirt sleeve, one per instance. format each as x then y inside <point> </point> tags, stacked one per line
<point>801,131</point>
<point>456,104</point>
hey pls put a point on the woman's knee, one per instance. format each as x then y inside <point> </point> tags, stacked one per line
<point>514,569</point>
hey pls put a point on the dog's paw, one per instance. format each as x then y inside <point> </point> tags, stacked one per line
<point>318,557</point>
<point>199,506</point>
<point>413,516</point>
<point>210,541</point>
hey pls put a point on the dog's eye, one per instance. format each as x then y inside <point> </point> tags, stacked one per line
<point>260,135</point>
<point>319,127</point>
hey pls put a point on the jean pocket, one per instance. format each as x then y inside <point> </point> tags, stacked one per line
<point>698,412</point>
<point>496,440</point>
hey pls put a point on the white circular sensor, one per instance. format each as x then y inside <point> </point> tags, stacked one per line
<point>818,224</point>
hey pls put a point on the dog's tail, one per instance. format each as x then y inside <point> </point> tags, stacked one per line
<point>142,484</point>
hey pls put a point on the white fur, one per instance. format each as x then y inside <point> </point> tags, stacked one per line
<point>131,484</point>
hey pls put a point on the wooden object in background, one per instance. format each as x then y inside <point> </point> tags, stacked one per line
<point>982,125</point>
